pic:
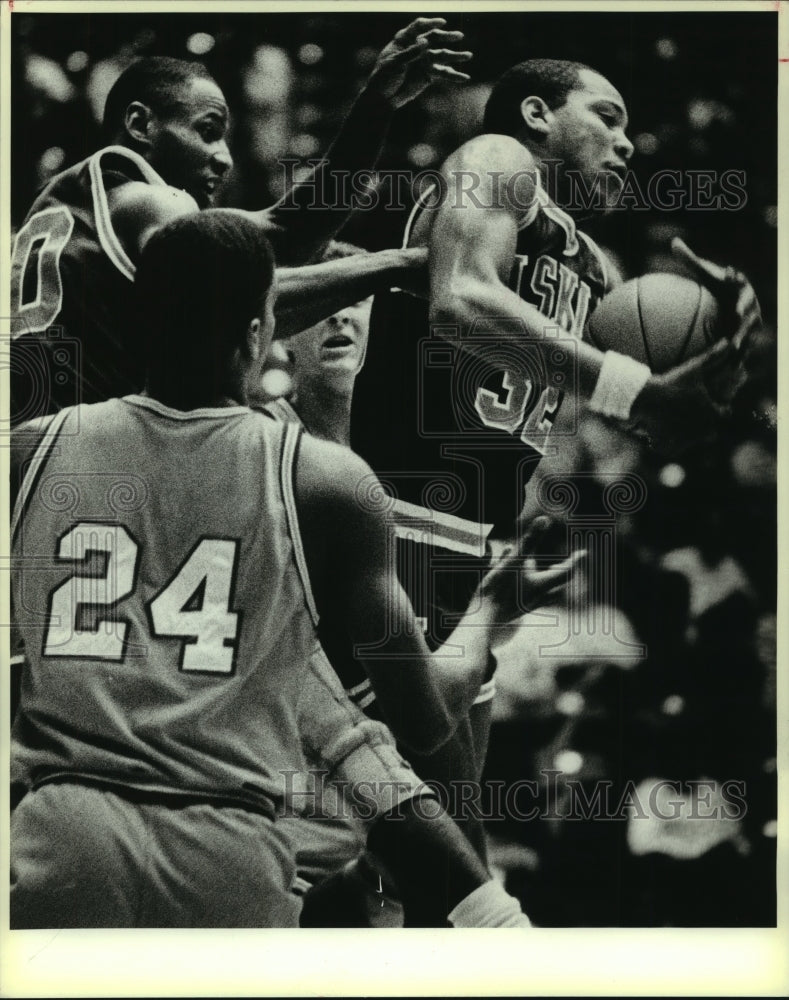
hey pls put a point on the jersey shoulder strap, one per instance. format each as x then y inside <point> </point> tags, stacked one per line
<point>108,238</point>
<point>291,437</point>
<point>44,437</point>
<point>281,409</point>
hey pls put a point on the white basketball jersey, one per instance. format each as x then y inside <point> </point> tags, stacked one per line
<point>161,590</point>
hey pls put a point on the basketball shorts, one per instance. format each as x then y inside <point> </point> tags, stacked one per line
<point>85,856</point>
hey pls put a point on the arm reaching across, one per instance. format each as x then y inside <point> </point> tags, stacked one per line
<point>304,221</point>
<point>513,586</point>
<point>349,547</point>
<point>308,294</point>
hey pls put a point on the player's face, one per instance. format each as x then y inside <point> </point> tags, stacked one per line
<point>189,147</point>
<point>333,351</point>
<point>588,135</point>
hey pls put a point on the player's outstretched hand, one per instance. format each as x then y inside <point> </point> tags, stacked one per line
<point>739,305</point>
<point>686,405</point>
<point>516,584</point>
<point>418,55</point>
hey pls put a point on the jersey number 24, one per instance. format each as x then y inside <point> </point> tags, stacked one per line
<point>193,606</point>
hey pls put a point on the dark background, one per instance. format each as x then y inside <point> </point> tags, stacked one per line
<point>701,89</point>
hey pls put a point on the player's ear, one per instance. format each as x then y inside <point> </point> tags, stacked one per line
<point>536,114</point>
<point>253,340</point>
<point>138,122</point>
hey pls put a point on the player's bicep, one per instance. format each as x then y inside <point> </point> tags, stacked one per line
<point>473,243</point>
<point>376,610</point>
<point>474,232</point>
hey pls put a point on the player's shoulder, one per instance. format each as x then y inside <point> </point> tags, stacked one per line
<point>27,437</point>
<point>62,189</point>
<point>333,479</point>
<point>138,209</point>
<point>491,152</point>
<point>138,198</point>
<point>493,171</point>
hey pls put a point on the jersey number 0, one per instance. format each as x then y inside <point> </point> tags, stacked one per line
<point>36,283</point>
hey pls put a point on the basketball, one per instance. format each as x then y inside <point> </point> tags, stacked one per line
<point>658,319</point>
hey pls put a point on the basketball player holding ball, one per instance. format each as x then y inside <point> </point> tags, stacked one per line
<point>455,406</point>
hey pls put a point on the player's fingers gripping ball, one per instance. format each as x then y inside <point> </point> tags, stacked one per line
<point>740,311</point>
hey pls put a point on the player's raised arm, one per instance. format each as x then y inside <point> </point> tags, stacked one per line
<point>310,214</point>
<point>472,244</point>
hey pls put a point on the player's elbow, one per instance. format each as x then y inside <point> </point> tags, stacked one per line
<point>453,306</point>
<point>457,304</point>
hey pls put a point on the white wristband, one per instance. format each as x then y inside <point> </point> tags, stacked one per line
<point>489,905</point>
<point>620,381</point>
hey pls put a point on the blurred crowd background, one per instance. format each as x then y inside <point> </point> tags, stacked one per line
<point>695,562</point>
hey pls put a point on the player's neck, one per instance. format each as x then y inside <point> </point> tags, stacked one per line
<point>554,181</point>
<point>184,397</point>
<point>325,411</point>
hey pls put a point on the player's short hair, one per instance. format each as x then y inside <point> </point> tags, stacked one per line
<point>153,80</point>
<point>550,79</point>
<point>200,281</point>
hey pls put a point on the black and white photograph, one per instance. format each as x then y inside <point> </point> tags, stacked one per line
<point>391,471</point>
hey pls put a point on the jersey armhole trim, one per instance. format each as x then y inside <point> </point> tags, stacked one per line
<point>419,204</point>
<point>602,260</point>
<point>35,467</point>
<point>540,195</point>
<point>291,437</point>
<point>281,409</point>
<point>108,238</point>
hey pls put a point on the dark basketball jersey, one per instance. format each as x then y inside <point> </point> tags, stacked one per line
<point>455,436</point>
<point>71,283</point>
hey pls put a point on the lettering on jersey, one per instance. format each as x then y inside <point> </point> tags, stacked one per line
<point>195,606</point>
<point>555,290</point>
<point>540,421</point>
<point>563,298</point>
<point>543,282</point>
